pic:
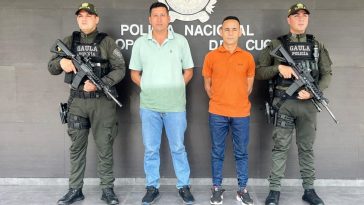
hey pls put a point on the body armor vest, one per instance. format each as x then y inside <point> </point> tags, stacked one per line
<point>304,53</point>
<point>91,51</point>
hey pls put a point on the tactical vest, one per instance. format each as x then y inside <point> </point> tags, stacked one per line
<point>304,53</point>
<point>101,67</point>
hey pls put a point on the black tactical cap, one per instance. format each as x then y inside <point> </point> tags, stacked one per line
<point>297,7</point>
<point>90,8</point>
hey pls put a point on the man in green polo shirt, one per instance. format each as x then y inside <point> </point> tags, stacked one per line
<point>161,64</point>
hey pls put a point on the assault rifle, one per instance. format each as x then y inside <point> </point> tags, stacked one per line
<point>84,68</point>
<point>304,80</point>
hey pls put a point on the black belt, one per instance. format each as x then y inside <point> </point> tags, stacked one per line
<point>283,94</point>
<point>85,95</point>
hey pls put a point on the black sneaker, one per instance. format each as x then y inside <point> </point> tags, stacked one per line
<point>151,196</point>
<point>244,197</point>
<point>186,195</point>
<point>216,197</point>
<point>72,195</point>
<point>272,198</point>
<point>312,198</point>
<point>109,196</point>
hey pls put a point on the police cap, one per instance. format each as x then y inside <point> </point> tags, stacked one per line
<point>297,7</point>
<point>90,8</point>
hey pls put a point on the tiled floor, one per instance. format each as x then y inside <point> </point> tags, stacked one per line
<point>131,195</point>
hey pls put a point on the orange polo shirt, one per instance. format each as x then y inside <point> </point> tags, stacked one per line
<point>229,85</point>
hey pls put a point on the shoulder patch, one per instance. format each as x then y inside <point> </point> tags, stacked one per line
<point>117,53</point>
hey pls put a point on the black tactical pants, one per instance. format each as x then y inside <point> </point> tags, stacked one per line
<point>304,115</point>
<point>101,115</point>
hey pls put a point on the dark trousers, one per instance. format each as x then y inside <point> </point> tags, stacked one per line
<point>101,113</point>
<point>219,128</point>
<point>304,114</point>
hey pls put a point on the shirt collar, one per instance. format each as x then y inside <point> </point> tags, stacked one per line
<point>223,49</point>
<point>169,37</point>
<point>298,36</point>
<point>92,34</point>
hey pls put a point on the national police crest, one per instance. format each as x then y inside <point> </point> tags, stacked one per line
<point>190,10</point>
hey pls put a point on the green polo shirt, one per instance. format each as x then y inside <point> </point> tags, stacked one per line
<point>162,84</point>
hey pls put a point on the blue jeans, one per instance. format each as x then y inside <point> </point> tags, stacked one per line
<point>219,128</point>
<point>175,124</point>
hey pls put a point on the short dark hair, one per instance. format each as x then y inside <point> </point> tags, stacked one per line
<point>231,18</point>
<point>156,5</point>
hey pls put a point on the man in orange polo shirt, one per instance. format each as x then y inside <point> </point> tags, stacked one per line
<point>228,73</point>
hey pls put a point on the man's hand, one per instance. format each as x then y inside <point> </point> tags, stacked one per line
<point>286,72</point>
<point>89,86</point>
<point>207,84</point>
<point>304,95</point>
<point>67,65</point>
<point>136,76</point>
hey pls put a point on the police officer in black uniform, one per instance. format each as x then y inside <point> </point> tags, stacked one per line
<point>89,107</point>
<point>295,112</point>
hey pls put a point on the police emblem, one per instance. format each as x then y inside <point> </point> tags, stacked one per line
<point>300,6</point>
<point>190,10</point>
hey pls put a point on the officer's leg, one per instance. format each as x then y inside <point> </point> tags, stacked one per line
<point>104,128</point>
<point>306,133</point>
<point>282,138</point>
<point>78,129</point>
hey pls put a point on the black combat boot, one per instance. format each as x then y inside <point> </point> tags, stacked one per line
<point>311,197</point>
<point>72,195</point>
<point>109,196</point>
<point>272,198</point>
